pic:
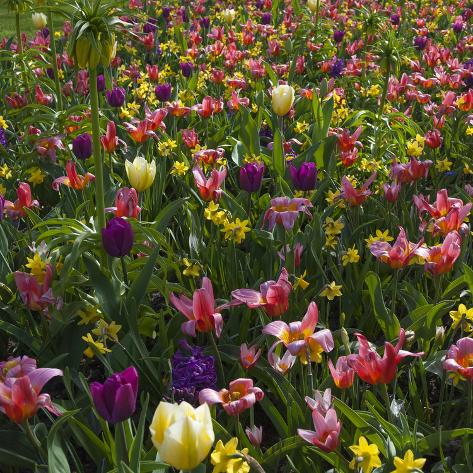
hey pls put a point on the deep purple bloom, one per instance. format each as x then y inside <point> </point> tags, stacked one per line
<point>149,26</point>
<point>266,18</point>
<point>251,175</point>
<point>50,73</point>
<point>3,138</point>
<point>337,68</point>
<point>2,205</point>
<point>82,146</point>
<point>45,32</point>
<point>395,19</point>
<point>166,12</point>
<point>420,42</point>
<point>116,96</point>
<point>457,26</point>
<point>192,371</point>
<point>115,400</point>
<point>163,92</point>
<point>186,68</point>
<point>117,237</point>
<point>304,178</point>
<point>100,83</point>
<point>204,22</point>
<point>338,36</point>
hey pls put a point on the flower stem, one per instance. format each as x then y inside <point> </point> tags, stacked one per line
<point>99,189</point>
<point>124,271</point>
<point>34,440</point>
<point>52,43</point>
<point>18,33</point>
<point>219,359</point>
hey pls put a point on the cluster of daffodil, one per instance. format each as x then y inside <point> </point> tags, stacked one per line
<point>97,339</point>
<point>332,229</point>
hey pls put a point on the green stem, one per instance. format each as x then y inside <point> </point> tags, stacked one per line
<point>18,33</point>
<point>317,11</point>
<point>385,89</point>
<point>310,376</point>
<point>395,282</point>
<point>384,389</point>
<point>34,440</point>
<point>219,359</point>
<point>99,188</point>
<point>52,43</point>
<point>120,445</point>
<point>124,271</point>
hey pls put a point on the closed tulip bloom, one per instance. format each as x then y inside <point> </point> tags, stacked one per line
<point>391,191</point>
<point>312,5</point>
<point>251,175</point>
<point>82,146</point>
<point>255,435</point>
<point>327,431</point>
<point>39,20</point>
<point>249,355</point>
<point>140,173</point>
<point>116,97</point>
<point>126,203</point>
<point>282,98</point>
<point>115,399</point>
<point>163,92</point>
<point>209,189</point>
<point>342,373</point>
<point>182,435</point>
<point>117,237</point>
<point>304,178</point>
<point>459,360</point>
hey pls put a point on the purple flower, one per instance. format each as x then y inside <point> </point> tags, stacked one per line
<point>100,83</point>
<point>251,175</point>
<point>420,42</point>
<point>117,237</point>
<point>457,26</point>
<point>192,371</point>
<point>82,146</point>
<point>186,68</point>
<point>150,26</point>
<point>3,138</point>
<point>163,92</point>
<point>116,96</point>
<point>204,22</point>
<point>337,68</point>
<point>2,206</point>
<point>115,400</point>
<point>305,177</point>
<point>166,12</point>
<point>338,36</point>
<point>266,18</point>
<point>395,19</point>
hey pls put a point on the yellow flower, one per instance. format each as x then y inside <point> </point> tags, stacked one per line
<point>415,147</point>
<point>222,459</point>
<point>211,210</point>
<point>282,98</point>
<point>301,127</point>
<point>408,464</point>
<point>179,168</point>
<point>88,316</point>
<point>105,330</point>
<point>182,435</point>
<point>3,123</point>
<point>331,291</point>
<point>5,172</point>
<point>366,456</point>
<point>192,269</point>
<point>463,316</point>
<point>333,227</point>
<point>165,148</point>
<point>36,176</point>
<point>374,91</point>
<point>469,131</point>
<point>351,256</point>
<point>380,236</point>
<point>37,267</point>
<point>3,189</point>
<point>94,344</point>
<point>301,282</point>
<point>467,169</point>
<point>443,165</point>
<point>330,242</point>
<point>333,198</point>
<point>236,230</point>
<point>140,173</point>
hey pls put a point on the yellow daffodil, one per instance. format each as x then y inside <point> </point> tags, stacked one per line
<point>89,315</point>
<point>351,256</point>
<point>408,464</point>
<point>36,176</point>
<point>37,267</point>
<point>94,344</point>
<point>236,230</point>
<point>462,315</point>
<point>301,282</point>
<point>179,168</point>
<point>443,165</point>
<point>191,269</point>
<point>379,236</point>
<point>331,291</point>
<point>366,456</point>
<point>333,227</point>
<point>222,459</point>
<point>107,331</point>
<point>3,123</point>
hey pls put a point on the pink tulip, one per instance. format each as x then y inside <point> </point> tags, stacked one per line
<point>126,203</point>
<point>354,196</point>
<point>414,170</point>
<point>441,258</point>
<point>255,435</point>
<point>398,255</point>
<point>35,295</point>
<point>240,395</point>
<point>209,189</point>
<point>16,367</point>
<point>391,191</point>
<point>459,358</point>
<point>249,355</point>
<point>273,296</point>
<point>281,365</point>
<point>16,209</point>
<point>201,311</point>
<point>284,211</point>
<point>327,431</point>
<point>342,373</point>
<point>299,337</point>
<point>321,402</point>
<point>72,179</point>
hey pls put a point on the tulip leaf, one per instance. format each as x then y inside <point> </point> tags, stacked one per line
<point>249,135</point>
<point>167,213</point>
<point>278,153</point>
<point>135,448</point>
<point>388,322</point>
<point>282,448</point>
<point>57,459</point>
<point>468,276</point>
<point>433,441</point>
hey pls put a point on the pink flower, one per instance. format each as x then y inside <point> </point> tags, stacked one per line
<point>126,203</point>
<point>299,337</point>
<point>285,211</point>
<point>321,402</point>
<point>327,431</point>
<point>373,369</point>
<point>16,209</point>
<point>400,254</point>
<point>273,296</point>
<point>255,435</point>
<point>410,172</point>
<point>72,179</point>
<point>391,192</point>
<point>249,355</point>
<point>239,396</point>
<point>35,296</point>
<point>201,311</point>
<point>354,196</point>
<point>459,358</point>
<point>209,189</point>
<point>16,367</point>
<point>282,365</point>
<point>440,259</point>
<point>342,373</point>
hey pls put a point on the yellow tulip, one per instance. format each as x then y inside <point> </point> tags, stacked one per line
<point>229,15</point>
<point>182,435</point>
<point>282,99</point>
<point>140,173</point>
<point>312,5</point>
<point>39,20</point>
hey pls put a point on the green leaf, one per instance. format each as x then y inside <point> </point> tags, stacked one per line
<point>278,153</point>
<point>249,135</point>
<point>167,213</point>
<point>434,441</point>
<point>135,448</point>
<point>388,322</point>
<point>57,460</point>
<point>282,448</point>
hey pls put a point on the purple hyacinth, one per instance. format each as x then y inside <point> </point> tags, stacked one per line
<point>337,68</point>
<point>192,371</point>
<point>3,138</point>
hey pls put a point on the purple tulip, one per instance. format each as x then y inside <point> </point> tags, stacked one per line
<point>82,146</point>
<point>117,237</point>
<point>186,68</point>
<point>115,400</point>
<point>204,22</point>
<point>166,12</point>
<point>2,205</point>
<point>100,83</point>
<point>116,96</point>
<point>305,177</point>
<point>338,36</point>
<point>50,73</point>
<point>150,26</point>
<point>420,42</point>
<point>251,175</point>
<point>395,19</point>
<point>337,68</point>
<point>266,18</point>
<point>163,92</point>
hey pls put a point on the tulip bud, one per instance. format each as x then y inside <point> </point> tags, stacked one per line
<point>255,435</point>
<point>115,400</point>
<point>163,92</point>
<point>312,5</point>
<point>345,339</point>
<point>140,173</point>
<point>182,435</point>
<point>440,335</point>
<point>115,97</point>
<point>305,177</point>
<point>117,237</point>
<point>39,20</point>
<point>282,99</point>
<point>82,146</point>
<point>251,175</point>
